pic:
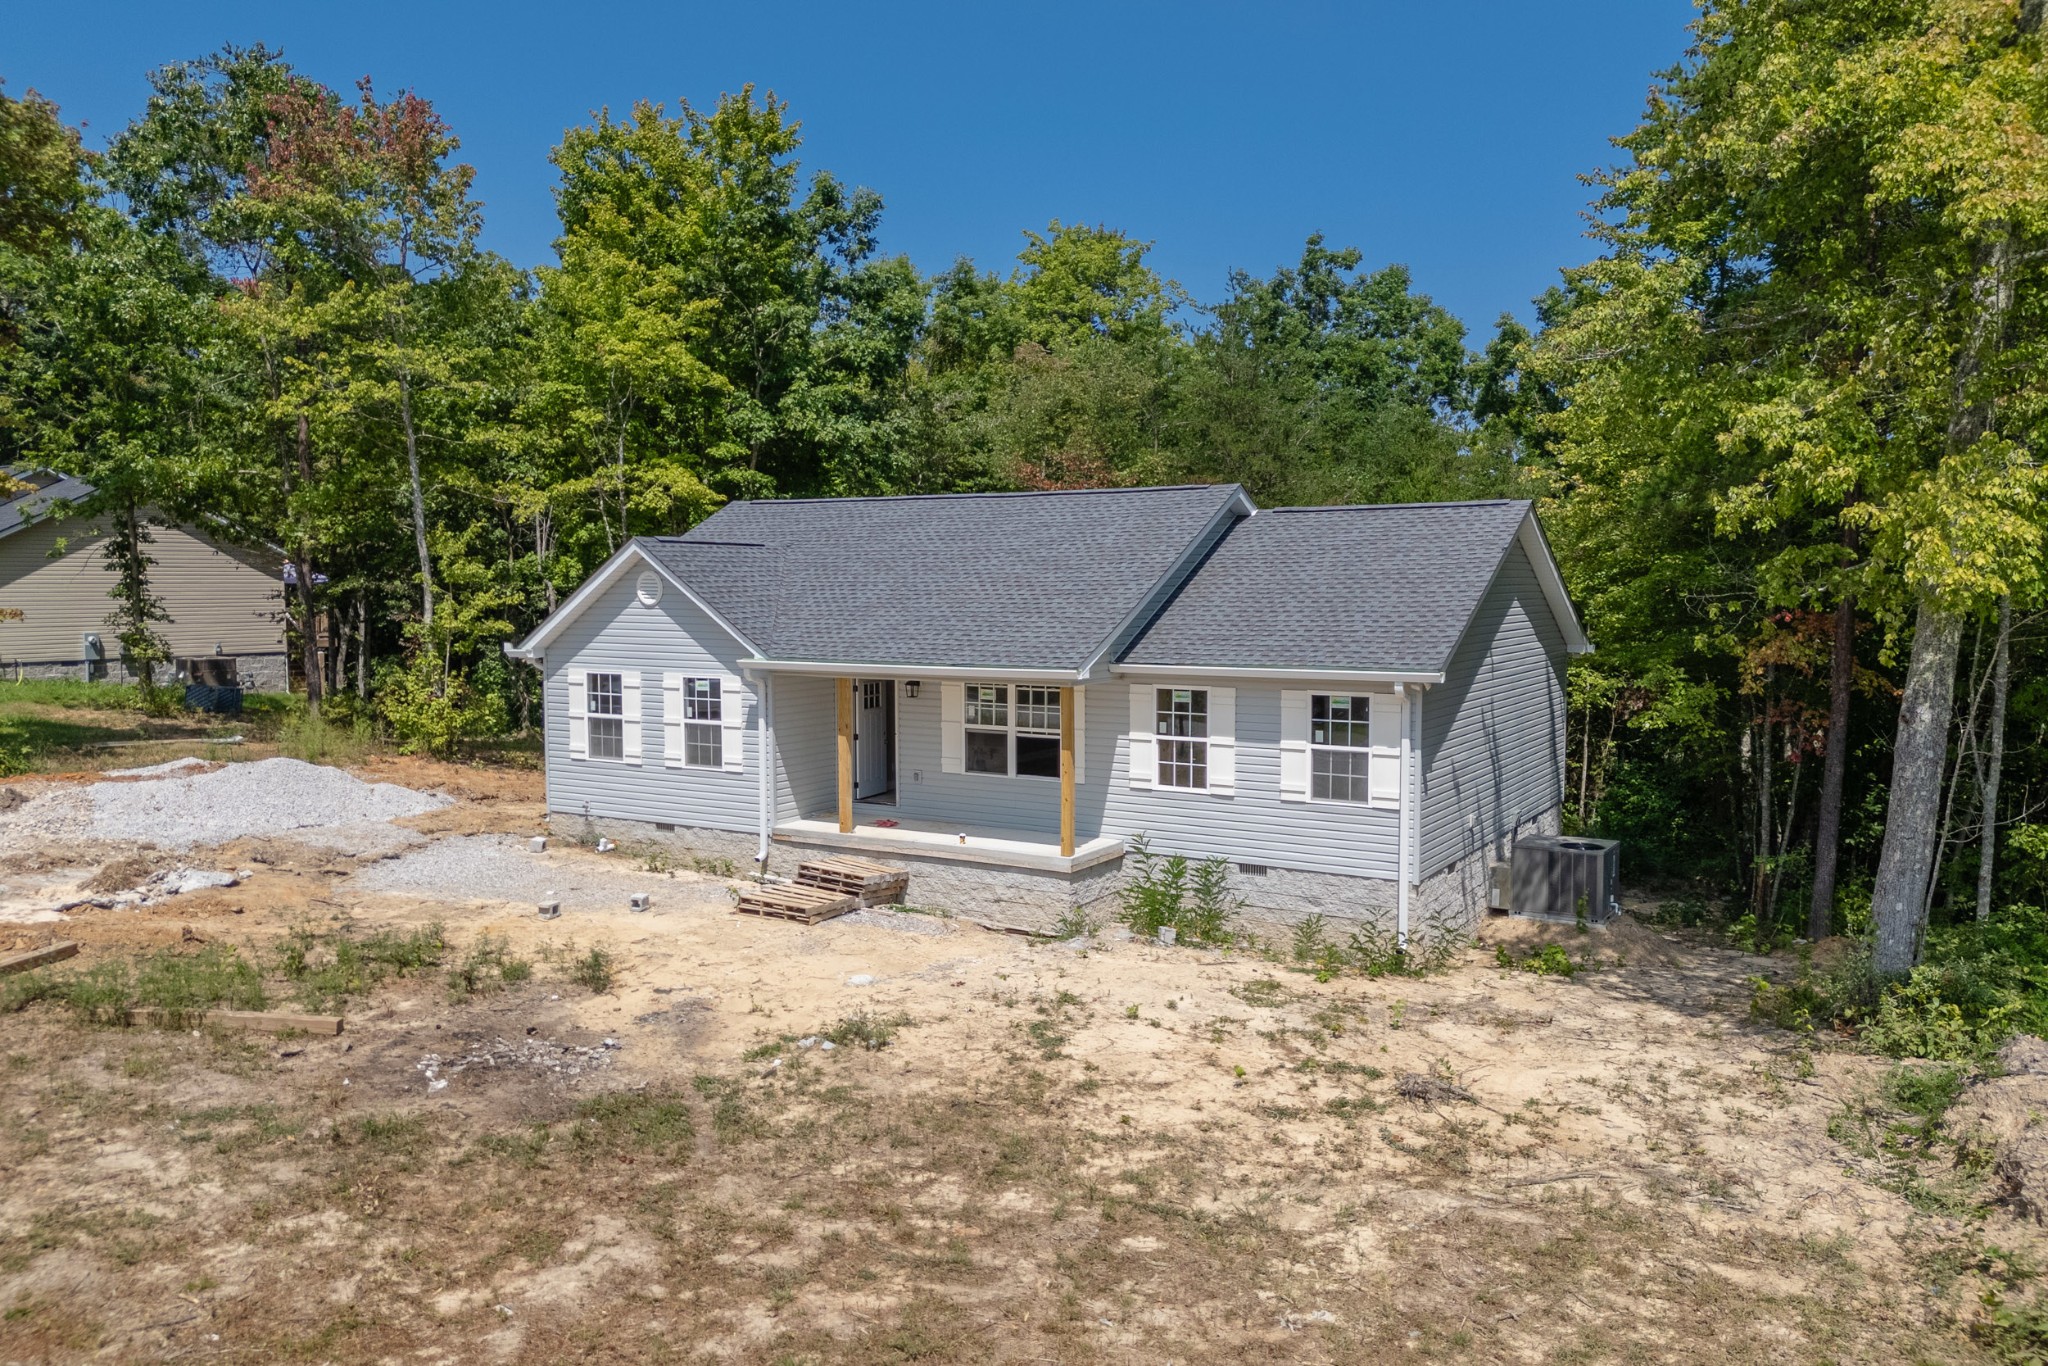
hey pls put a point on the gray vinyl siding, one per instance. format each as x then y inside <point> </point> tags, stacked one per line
<point>1254,825</point>
<point>1493,731</point>
<point>806,724</point>
<point>993,802</point>
<point>616,633</point>
<point>216,596</point>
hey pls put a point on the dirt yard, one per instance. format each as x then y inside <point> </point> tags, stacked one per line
<point>895,1137</point>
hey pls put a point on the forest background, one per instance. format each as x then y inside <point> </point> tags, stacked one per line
<point>1783,427</point>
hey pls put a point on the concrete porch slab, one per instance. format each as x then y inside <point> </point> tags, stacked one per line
<point>927,840</point>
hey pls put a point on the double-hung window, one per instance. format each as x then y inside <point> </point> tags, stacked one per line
<point>988,728</point>
<point>1181,721</point>
<point>1012,730</point>
<point>605,706</point>
<point>1038,732</point>
<point>703,723</point>
<point>1340,747</point>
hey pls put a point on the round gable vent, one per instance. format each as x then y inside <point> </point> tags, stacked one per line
<point>649,588</point>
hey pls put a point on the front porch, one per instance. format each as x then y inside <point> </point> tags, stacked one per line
<point>933,840</point>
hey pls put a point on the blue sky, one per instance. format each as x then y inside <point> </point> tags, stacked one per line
<point>1447,136</point>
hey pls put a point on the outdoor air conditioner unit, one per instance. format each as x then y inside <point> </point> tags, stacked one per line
<point>1555,876</point>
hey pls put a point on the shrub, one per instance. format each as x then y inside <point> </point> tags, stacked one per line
<point>486,967</point>
<point>593,970</point>
<point>1915,1019</point>
<point>862,1030</point>
<point>431,711</point>
<point>1195,900</point>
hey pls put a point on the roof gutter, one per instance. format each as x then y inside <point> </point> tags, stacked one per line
<point>1396,676</point>
<point>898,669</point>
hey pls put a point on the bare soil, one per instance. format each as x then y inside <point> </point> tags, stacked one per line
<point>1011,1151</point>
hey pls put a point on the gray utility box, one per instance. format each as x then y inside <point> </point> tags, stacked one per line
<point>1555,874</point>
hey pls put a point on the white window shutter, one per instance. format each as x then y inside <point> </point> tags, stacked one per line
<point>1080,735</point>
<point>579,722</point>
<point>732,714</point>
<point>1293,746</point>
<point>953,727</point>
<point>1223,741</point>
<point>629,702</point>
<point>1144,740</point>
<point>672,719</point>
<point>1384,784</point>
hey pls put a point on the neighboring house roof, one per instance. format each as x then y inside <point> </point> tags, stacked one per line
<point>1050,581</point>
<point>45,489</point>
<point>1387,588</point>
<point>1020,581</point>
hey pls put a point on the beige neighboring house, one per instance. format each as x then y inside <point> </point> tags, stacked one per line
<point>222,600</point>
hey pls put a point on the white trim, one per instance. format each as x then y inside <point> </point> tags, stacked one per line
<point>631,735</point>
<point>1537,547</point>
<point>1336,676</point>
<point>576,681</point>
<point>1294,765</point>
<point>952,727</point>
<point>1386,738</point>
<point>1080,735</point>
<point>1144,742</point>
<point>1222,741</point>
<point>732,720</point>
<point>763,725</point>
<point>1404,868</point>
<point>607,574</point>
<point>672,718</point>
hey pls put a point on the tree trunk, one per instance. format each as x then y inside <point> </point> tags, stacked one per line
<point>309,634</point>
<point>419,500</point>
<point>1919,758</point>
<point>362,647</point>
<point>1760,901</point>
<point>2001,686</point>
<point>1827,848</point>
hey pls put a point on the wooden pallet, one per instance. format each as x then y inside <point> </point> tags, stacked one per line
<point>876,884</point>
<point>807,905</point>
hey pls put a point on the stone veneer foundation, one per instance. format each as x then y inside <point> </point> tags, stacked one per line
<point>1452,901</point>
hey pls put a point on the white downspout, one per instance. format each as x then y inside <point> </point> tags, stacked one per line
<point>1407,816</point>
<point>764,728</point>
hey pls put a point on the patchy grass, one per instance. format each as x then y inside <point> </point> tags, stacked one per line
<point>863,1030</point>
<point>594,971</point>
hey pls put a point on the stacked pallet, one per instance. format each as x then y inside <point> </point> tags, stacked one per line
<point>876,884</point>
<point>807,905</point>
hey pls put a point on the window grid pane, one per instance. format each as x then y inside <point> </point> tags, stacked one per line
<point>1339,774</point>
<point>605,694</point>
<point>607,737</point>
<point>1341,721</point>
<point>701,700</point>
<point>1038,709</point>
<point>1184,763</point>
<point>987,705</point>
<point>704,746</point>
<point>1182,713</point>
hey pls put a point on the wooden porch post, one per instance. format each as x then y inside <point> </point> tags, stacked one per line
<point>1067,772</point>
<point>844,687</point>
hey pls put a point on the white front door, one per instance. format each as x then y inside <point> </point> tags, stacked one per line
<point>874,738</point>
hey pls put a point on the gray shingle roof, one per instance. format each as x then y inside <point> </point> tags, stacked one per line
<point>45,488</point>
<point>1388,588</point>
<point>1014,580</point>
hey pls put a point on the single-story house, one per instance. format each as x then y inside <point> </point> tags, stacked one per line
<point>1359,708</point>
<point>221,599</point>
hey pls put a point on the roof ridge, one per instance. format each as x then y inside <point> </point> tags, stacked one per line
<point>1395,507</point>
<point>687,539</point>
<point>986,493</point>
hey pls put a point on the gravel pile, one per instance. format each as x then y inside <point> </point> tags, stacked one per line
<point>501,868</point>
<point>267,797</point>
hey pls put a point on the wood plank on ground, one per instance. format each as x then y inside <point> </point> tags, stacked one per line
<point>874,883</point>
<point>262,1021</point>
<point>35,958</point>
<point>809,905</point>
